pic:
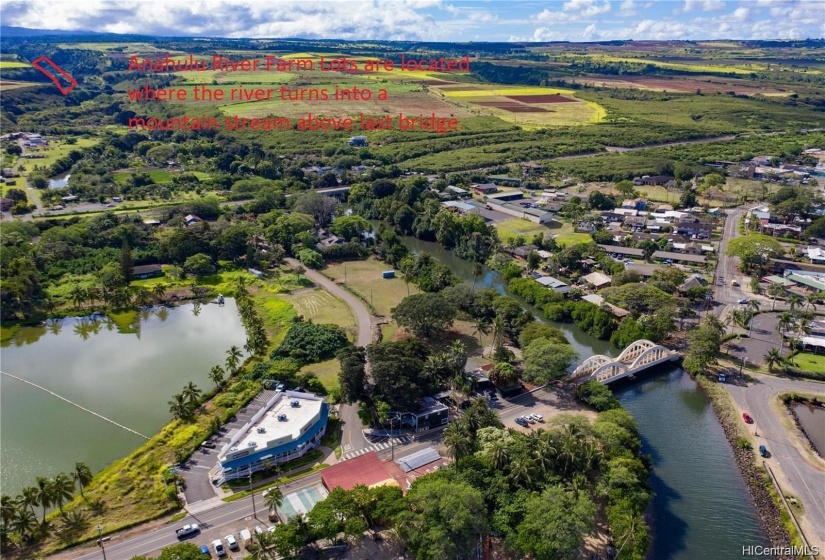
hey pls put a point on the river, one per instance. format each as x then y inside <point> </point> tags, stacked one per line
<point>128,378</point>
<point>701,508</point>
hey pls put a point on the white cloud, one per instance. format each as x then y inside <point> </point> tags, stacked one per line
<point>703,5</point>
<point>575,10</point>
<point>740,14</point>
<point>628,8</point>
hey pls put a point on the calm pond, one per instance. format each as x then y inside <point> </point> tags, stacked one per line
<point>128,378</point>
<point>813,420</point>
<point>701,508</point>
<point>59,181</point>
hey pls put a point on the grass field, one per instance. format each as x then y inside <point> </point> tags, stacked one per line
<point>810,362</point>
<point>363,278</point>
<point>58,149</point>
<point>566,236</point>
<point>327,372</point>
<point>157,175</point>
<point>686,67</point>
<point>320,307</point>
<point>517,226</point>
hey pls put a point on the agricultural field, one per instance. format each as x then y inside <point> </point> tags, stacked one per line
<point>318,306</point>
<point>56,150</point>
<point>529,107</point>
<point>363,278</point>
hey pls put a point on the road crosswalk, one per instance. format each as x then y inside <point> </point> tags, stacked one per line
<point>379,446</point>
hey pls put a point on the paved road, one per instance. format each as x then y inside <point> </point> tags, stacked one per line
<point>225,514</point>
<point>726,268</point>
<point>351,437</point>
<point>807,481</point>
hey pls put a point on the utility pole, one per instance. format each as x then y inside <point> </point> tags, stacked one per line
<point>100,540</point>
<point>252,492</point>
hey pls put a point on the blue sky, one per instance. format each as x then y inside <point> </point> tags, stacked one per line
<point>432,20</point>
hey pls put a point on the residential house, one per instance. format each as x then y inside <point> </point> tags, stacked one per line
<point>694,226</point>
<point>524,250</point>
<point>598,301</point>
<point>554,284</point>
<point>191,219</point>
<point>484,188</point>
<point>694,281</point>
<point>656,179</point>
<point>458,191</point>
<point>635,222</point>
<point>6,204</point>
<point>460,207</point>
<point>634,203</point>
<point>147,271</point>
<point>597,280</point>
<point>623,251</point>
<point>612,217</point>
<point>816,254</point>
<point>781,230</point>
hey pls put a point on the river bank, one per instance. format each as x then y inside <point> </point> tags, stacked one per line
<point>757,481</point>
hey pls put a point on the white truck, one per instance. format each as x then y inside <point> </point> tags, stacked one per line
<point>245,537</point>
<point>187,530</point>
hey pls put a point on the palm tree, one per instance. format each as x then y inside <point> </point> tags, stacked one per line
<point>216,376</point>
<point>179,407</point>
<point>78,296</point>
<point>24,523</point>
<point>233,359</point>
<point>785,322</point>
<point>521,470</point>
<point>158,291</point>
<point>477,270</point>
<point>82,474</point>
<point>28,497</point>
<point>8,508</point>
<point>458,440</point>
<point>753,305</point>
<point>62,490</point>
<point>273,498</point>
<point>192,394</point>
<point>481,326</point>
<point>773,358</point>
<point>794,301</point>
<point>262,547</point>
<point>775,290</point>
<point>812,299</point>
<point>499,454</point>
<point>44,494</point>
<point>142,296</point>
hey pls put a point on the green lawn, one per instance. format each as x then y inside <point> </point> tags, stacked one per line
<point>518,226</point>
<point>320,307</point>
<point>327,372</point>
<point>56,150</point>
<point>566,236</point>
<point>157,175</point>
<point>363,278</point>
<point>811,362</point>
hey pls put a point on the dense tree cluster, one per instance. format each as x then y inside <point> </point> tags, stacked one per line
<point>311,342</point>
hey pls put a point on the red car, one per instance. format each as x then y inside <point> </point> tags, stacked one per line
<point>747,418</point>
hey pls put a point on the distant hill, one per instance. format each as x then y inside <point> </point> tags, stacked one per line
<point>10,31</point>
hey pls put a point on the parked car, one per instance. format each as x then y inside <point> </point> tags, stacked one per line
<point>529,419</point>
<point>537,417</point>
<point>521,422</point>
<point>763,451</point>
<point>231,542</point>
<point>219,549</point>
<point>259,530</point>
<point>209,443</point>
<point>205,550</point>
<point>747,418</point>
<point>742,301</point>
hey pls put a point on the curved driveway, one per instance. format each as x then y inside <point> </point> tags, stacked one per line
<point>351,436</point>
<point>805,475</point>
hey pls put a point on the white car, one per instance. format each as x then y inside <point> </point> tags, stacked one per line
<point>742,301</point>
<point>231,542</point>
<point>219,549</point>
<point>530,419</point>
<point>258,530</point>
<point>271,529</point>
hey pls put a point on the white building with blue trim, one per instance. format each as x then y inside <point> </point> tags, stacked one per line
<point>287,427</point>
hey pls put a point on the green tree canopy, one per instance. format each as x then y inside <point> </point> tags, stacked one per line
<point>426,314</point>
<point>199,265</point>
<point>546,361</point>
<point>754,249</point>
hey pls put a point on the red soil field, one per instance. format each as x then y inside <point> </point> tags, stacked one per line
<point>542,98</point>
<point>511,107</point>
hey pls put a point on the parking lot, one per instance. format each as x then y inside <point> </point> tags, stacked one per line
<point>209,534</point>
<point>195,471</point>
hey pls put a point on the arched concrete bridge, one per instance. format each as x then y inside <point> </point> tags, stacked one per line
<point>640,355</point>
